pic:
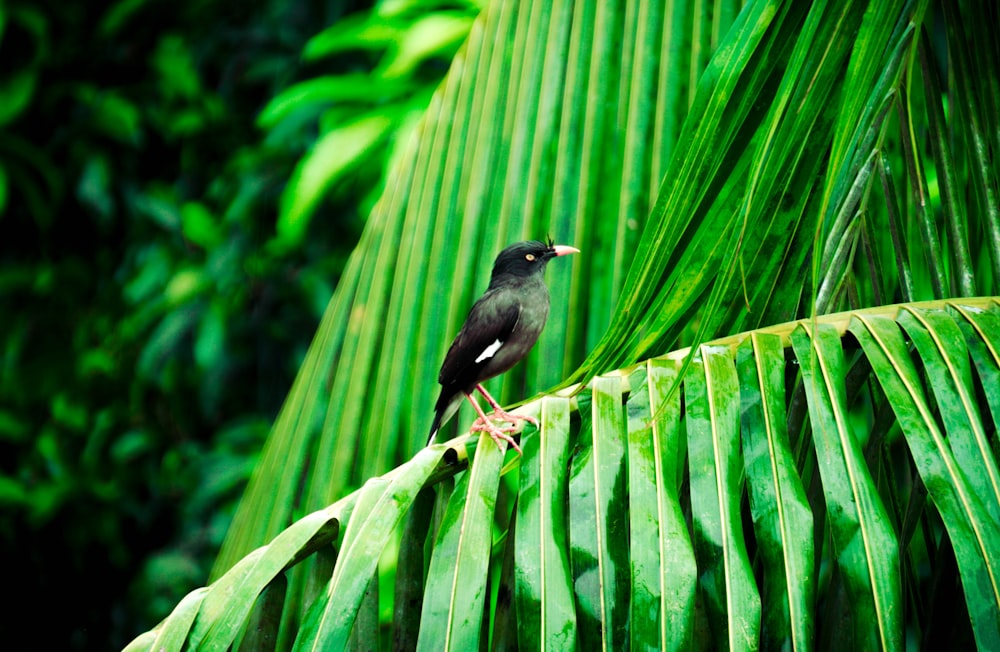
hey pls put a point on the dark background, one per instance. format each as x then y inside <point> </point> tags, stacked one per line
<point>150,322</point>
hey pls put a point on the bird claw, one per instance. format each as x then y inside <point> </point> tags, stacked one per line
<point>503,415</point>
<point>497,433</point>
<point>479,426</point>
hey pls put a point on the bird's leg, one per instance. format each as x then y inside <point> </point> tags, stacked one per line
<point>496,432</point>
<point>502,415</point>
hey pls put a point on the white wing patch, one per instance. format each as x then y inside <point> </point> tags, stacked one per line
<point>489,351</point>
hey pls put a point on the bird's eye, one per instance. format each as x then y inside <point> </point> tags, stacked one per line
<point>529,257</point>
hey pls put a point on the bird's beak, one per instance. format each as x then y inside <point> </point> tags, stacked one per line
<point>564,250</point>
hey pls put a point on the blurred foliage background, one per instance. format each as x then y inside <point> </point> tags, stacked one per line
<point>180,186</point>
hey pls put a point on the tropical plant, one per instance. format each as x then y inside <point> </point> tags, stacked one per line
<point>143,270</point>
<point>825,482</point>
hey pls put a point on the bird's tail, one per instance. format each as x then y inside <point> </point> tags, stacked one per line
<point>435,426</point>
<point>445,408</point>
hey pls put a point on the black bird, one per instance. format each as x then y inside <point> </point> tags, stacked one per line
<point>501,328</point>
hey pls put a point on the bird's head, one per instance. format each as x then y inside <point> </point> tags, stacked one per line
<point>528,258</point>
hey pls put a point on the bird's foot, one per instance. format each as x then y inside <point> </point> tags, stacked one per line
<point>499,414</point>
<point>497,433</point>
<point>502,415</point>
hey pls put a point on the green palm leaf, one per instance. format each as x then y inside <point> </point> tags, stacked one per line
<point>457,577</point>
<point>863,541</point>
<point>557,598</point>
<point>599,532</point>
<point>759,489</point>
<point>972,529</point>
<point>716,478</point>
<point>662,555</point>
<point>783,521</point>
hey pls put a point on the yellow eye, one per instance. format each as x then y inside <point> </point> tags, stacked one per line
<point>529,257</point>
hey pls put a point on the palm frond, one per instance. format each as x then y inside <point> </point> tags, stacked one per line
<point>781,162</point>
<point>633,522</point>
<point>515,145</point>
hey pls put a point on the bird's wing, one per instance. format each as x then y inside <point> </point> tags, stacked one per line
<point>488,326</point>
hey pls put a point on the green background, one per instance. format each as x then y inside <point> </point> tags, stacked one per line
<point>157,290</point>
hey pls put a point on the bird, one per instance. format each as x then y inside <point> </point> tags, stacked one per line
<point>502,327</point>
